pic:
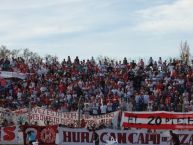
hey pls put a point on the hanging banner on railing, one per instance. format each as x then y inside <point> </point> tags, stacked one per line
<point>5,114</point>
<point>120,137</point>
<point>44,135</point>
<point>41,116</point>
<point>157,120</point>
<point>10,135</point>
<point>20,116</point>
<point>48,135</point>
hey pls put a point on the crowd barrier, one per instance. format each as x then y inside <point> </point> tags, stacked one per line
<point>55,135</point>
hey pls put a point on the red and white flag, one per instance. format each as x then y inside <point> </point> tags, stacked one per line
<point>157,120</point>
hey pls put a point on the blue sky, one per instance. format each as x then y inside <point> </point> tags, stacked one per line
<point>85,28</point>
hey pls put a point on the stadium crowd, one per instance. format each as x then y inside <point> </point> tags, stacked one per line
<point>98,87</point>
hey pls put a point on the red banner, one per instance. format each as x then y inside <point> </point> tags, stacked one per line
<point>45,135</point>
<point>158,120</point>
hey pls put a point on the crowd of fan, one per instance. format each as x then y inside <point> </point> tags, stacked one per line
<point>99,87</point>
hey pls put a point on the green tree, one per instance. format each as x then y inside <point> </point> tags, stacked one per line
<point>15,52</point>
<point>4,52</point>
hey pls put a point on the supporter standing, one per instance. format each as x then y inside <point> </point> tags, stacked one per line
<point>31,137</point>
<point>174,138</point>
<point>96,137</point>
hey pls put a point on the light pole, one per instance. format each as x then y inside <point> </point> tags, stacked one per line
<point>183,107</point>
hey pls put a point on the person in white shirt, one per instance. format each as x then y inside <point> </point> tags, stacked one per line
<point>69,96</point>
<point>86,109</point>
<point>103,109</point>
<point>109,107</point>
<point>146,98</point>
<point>129,106</point>
<point>137,98</point>
<point>149,107</point>
<point>95,109</point>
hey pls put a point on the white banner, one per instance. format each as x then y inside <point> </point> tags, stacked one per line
<point>7,74</point>
<point>118,137</point>
<point>20,116</point>
<point>5,114</point>
<point>158,120</point>
<point>41,115</point>
<point>11,135</point>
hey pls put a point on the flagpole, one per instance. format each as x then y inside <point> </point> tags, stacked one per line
<point>29,112</point>
<point>79,111</point>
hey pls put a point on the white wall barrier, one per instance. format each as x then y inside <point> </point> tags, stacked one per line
<point>67,136</point>
<point>84,137</point>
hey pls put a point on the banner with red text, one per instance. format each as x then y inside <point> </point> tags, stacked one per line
<point>41,115</point>
<point>10,135</point>
<point>120,137</point>
<point>158,120</point>
<point>20,116</point>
